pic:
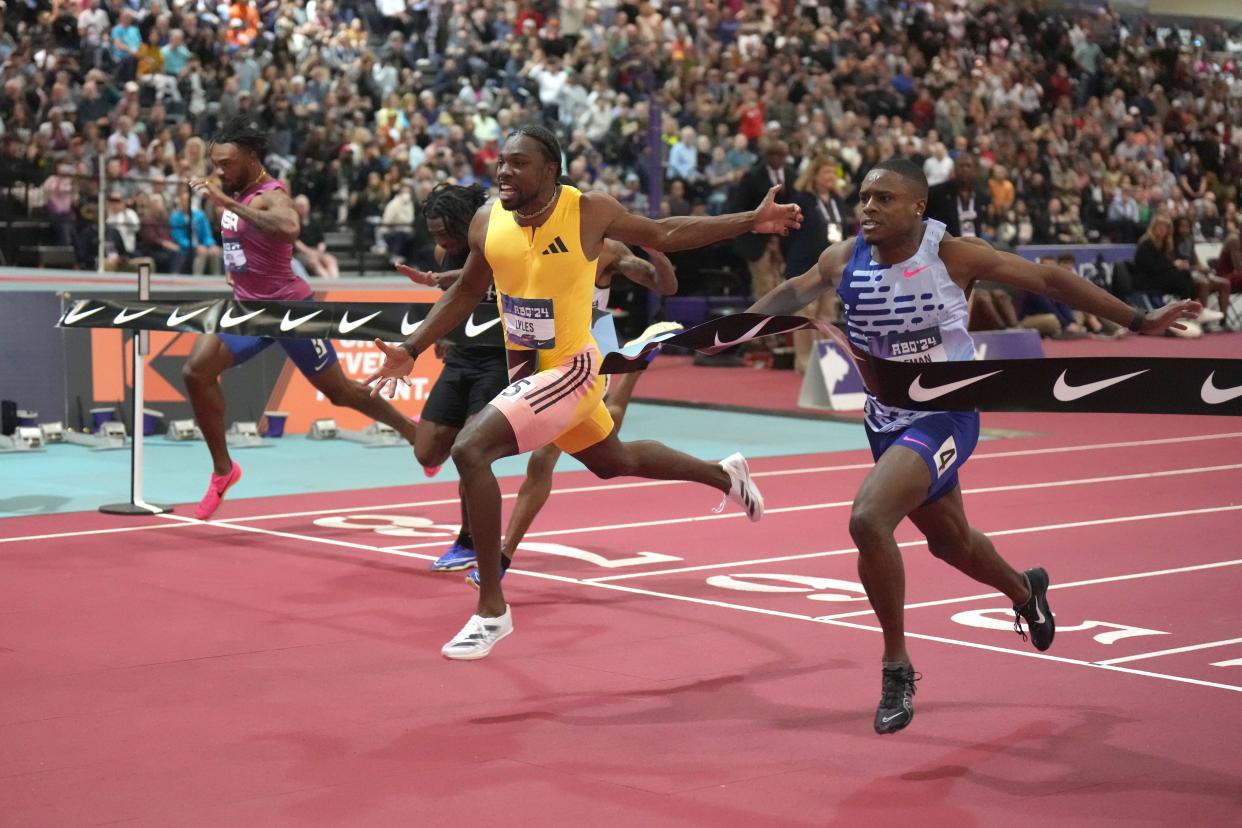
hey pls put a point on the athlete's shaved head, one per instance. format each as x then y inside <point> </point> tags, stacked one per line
<point>908,170</point>
<point>893,196</point>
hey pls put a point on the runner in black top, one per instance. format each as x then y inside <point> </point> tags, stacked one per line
<point>473,374</point>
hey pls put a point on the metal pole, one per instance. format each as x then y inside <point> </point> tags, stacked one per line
<point>137,505</point>
<point>100,201</point>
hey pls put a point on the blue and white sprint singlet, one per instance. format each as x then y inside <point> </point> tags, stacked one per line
<point>911,311</point>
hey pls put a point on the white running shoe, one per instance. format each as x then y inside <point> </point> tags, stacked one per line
<point>1207,316</point>
<point>477,638</point>
<point>655,330</point>
<point>1189,330</point>
<point>743,491</point>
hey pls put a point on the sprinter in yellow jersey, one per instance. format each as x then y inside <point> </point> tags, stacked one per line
<point>539,243</point>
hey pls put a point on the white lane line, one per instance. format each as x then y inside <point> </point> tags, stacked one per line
<point>1024,530</point>
<point>632,485</point>
<point>188,521</point>
<point>632,525</point>
<point>1133,576</point>
<point>54,535</point>
<point>774,473</point>
<point>1193,647</point>
<point>836,504</point>
<point>739,607</point>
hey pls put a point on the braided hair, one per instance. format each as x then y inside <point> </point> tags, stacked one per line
<point>455,206</point>
<point>246,134</point>
<point>545,138</point>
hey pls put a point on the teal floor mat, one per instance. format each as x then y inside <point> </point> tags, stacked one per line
<point>67,478</point>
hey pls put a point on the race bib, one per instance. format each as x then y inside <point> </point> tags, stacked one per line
<point>926,345</point>
<point>529,322</point>
<point>234,257</point>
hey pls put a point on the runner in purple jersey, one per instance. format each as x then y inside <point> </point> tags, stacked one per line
<point>259,225</point>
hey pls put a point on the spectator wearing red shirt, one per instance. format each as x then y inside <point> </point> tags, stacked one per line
<point>750,116</point>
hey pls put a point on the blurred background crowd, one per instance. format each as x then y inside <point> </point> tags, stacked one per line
<point>1034,126</point>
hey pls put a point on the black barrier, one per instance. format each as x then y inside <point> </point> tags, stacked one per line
<point>388,321</point>
<point>1126,385</point>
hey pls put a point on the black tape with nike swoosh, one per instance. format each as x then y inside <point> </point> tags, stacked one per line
<point>1126,385</point>
<point>389,321</point>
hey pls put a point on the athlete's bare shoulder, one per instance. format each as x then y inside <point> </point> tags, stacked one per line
<point>832,261</point>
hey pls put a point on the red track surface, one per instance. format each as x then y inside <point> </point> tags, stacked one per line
<point>284,670</point>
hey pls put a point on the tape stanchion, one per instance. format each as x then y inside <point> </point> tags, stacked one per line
<point>137,504</point>
<point>1124,385</point>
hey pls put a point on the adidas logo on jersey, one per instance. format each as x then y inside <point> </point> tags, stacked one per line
<point>557,246</point>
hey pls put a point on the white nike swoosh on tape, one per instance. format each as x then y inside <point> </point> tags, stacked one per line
<point>919,393</point>
<point>406,327</point>
<point>1215,396</point>
<point>1065,392</point>
<point>346,326</point>
<point>748,335</point>
<point>288,324</point>
<point>126,316</point>
<point>175,318</point>
<point>228,320</point>
<point>78,314</point>
<point>474,330</point>
<point>895,715</point>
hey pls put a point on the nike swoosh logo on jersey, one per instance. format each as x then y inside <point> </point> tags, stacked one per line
<point>473,330</point>
<point>175,318</point>
<point>920,393</point>
<point>744,337</point>
<point>911,273</point>
<point>288,324</point>
<point>127,316</point>
<point>1215,396</point>
<point>346,326</point>
<point>406,327</point>
<point>1065,392</point>
<point>79,313</point>
<point>229,320</point>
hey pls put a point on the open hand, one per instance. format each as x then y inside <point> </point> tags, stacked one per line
<point>418,277</point>
<point>777,218</point>
<point>397,363</point>
<point>1170,316</point>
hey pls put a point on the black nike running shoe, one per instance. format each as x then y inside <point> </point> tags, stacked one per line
<point>896,708</point>
<point>1038,615</point>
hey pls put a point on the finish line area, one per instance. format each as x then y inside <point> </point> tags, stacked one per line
<point>670,666</point>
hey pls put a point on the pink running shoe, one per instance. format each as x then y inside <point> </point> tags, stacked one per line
<point>220,483</point>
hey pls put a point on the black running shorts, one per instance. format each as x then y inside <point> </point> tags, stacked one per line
<point>470,379</point>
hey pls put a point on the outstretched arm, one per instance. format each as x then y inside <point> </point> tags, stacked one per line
<point>791,295</point>
<point>458,302</point>
<point>970,261</point>
<point>613,221</point>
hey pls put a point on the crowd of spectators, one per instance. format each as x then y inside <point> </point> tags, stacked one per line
<point>1059,127</point>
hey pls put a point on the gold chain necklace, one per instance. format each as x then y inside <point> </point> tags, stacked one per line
<point>543,209</point>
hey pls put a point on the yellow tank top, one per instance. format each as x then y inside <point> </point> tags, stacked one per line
<point>545,285</point>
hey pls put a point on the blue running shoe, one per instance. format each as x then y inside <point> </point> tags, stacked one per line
<point>456,558</point>
<point>473,577</point>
